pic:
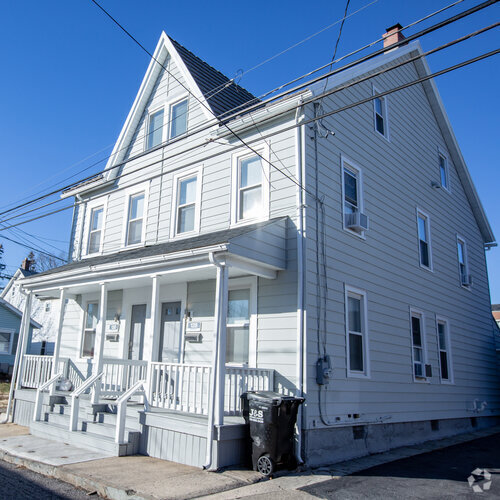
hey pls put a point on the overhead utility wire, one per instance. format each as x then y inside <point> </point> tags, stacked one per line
<point>30,247</point>
<point>238,107</point>
<point>210,124</point>
<point>330,113</point>
<point>312,99</point>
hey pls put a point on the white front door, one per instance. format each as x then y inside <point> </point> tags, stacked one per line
<point>170,334</point>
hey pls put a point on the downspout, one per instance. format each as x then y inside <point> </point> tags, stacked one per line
<point>215,351</point>
<point>23,331</point>
<point>299,151</point>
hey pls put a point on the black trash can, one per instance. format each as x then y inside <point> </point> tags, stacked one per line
<point>271,418</point>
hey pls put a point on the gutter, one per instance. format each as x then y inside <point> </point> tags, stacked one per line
<point>301,341</point>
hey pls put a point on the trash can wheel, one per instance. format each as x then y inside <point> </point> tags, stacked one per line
<point>265,465</point>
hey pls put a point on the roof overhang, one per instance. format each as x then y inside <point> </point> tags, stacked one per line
<point>17,312</point>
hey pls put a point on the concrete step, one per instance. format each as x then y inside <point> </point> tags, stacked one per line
<point>106,430</point>
<point>85,440</point>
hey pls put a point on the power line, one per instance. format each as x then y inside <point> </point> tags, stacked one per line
<point>312,99</point>
<point>30,247</point>
<point>238,107</point>
<point>324,115</point>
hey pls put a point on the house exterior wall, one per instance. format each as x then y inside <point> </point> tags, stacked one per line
<point>396,179</point>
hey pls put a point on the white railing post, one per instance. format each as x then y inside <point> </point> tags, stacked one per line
<point>39,396</point>
<point>23,335</point>
<point>57,345</point>
<point>221,349</point>
<point>100,336</point>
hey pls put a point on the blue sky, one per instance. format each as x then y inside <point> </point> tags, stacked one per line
<point>70,76</point>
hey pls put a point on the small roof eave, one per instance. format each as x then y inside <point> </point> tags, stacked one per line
<point>17,312</point>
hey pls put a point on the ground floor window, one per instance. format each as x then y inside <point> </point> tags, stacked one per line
<point>444,350</point>
<point>356,330</point>
<point>418,345</point>
<point>91,320</point>
<point>5,338</point>
<point>238,326</point>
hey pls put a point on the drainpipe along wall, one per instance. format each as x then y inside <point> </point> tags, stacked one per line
<point>301,234</point>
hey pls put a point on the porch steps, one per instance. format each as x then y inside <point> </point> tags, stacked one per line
<point>96,426</point>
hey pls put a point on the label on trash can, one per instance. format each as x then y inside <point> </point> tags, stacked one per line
<point>256,416</point>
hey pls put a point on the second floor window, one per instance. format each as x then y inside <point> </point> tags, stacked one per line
<point>443,172</point>
<point>380,114</point>
<point>95,233</point>
<point>178,118</point>
<point>135,219</point>
<point>186,205</point>
<point>351,190</point>
<point>155,129</point>
<point>424,240</point>
<point>250,188</point>
<point>463,267</point>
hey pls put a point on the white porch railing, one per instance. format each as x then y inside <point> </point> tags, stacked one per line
<point>182,387</point>
<point>119,375</point>
<point>36,370</point>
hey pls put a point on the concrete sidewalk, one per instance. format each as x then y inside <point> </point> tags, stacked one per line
<point>140,477</point>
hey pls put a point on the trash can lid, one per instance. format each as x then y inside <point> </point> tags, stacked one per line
<point>269,396</point>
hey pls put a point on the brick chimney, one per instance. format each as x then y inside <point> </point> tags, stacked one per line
<point>26,265</point>
<point>393,35</point>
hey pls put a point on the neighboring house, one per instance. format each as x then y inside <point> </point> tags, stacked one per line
<point>10,323</point>
<point>348,268</point>
<point>44,311</point>
<point>495,309</point>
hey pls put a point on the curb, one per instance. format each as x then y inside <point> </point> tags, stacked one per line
<point>85,483</point>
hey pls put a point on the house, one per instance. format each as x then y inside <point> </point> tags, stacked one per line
<point>10,327</point>
<point>233,245</point>
<point>44,311</point>
<point>495,309</point>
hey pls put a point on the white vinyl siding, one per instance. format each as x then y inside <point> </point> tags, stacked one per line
<point>424,240</point>
<point>356,332</point>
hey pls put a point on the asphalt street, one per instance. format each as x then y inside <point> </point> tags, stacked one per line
<point>20,483</point>
<point>441,474</point>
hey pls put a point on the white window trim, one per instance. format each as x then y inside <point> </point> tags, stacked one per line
<point>241,284</point>
<point>171,103</point>
<point>451,380</point>
<point>128,194</point>
<point>177,178</point>
<point>263,150</point>
<point>151,112</point>
<point>442,154</point>
<point>361,202</point>
<point>386,135</point>
<point>366,344</point>
<point>461,239</point>
<point>82,331</point>
<point>428,225</point>
<point>424,378</point>
<point>91,206</point>
<point>11,333</point>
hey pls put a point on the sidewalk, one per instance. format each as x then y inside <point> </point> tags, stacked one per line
<point>140,477</point>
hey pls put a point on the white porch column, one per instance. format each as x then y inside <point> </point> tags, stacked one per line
<point>154,332</point>
<point>57,345</point>
<point>99,341</point>
<point>22,342</point>
<point>221,345</point>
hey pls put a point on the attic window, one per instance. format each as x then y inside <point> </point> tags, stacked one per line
<point>155,129</point>
<point>178,118</point>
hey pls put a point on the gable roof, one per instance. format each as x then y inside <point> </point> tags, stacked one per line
<point>20,273</point>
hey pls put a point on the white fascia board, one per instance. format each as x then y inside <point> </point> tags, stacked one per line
<point>119,266</point>
<point>10,284</point>
<point>252,119</point>
<point>86,188</point>
<point>439,110</point>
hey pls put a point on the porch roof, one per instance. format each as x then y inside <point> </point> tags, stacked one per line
<point>263,243</point>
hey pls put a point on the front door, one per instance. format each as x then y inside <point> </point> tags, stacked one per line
<point>170,334</point>
<point>136,338</point>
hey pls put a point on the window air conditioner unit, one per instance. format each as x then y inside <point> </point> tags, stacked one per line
<point>356,221</point>
<point>466,280</point>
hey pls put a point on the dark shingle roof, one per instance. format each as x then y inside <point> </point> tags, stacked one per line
<point>204,240</point>
<point>210,81</point>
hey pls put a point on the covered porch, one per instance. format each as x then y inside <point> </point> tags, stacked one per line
<point>176,331</point>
